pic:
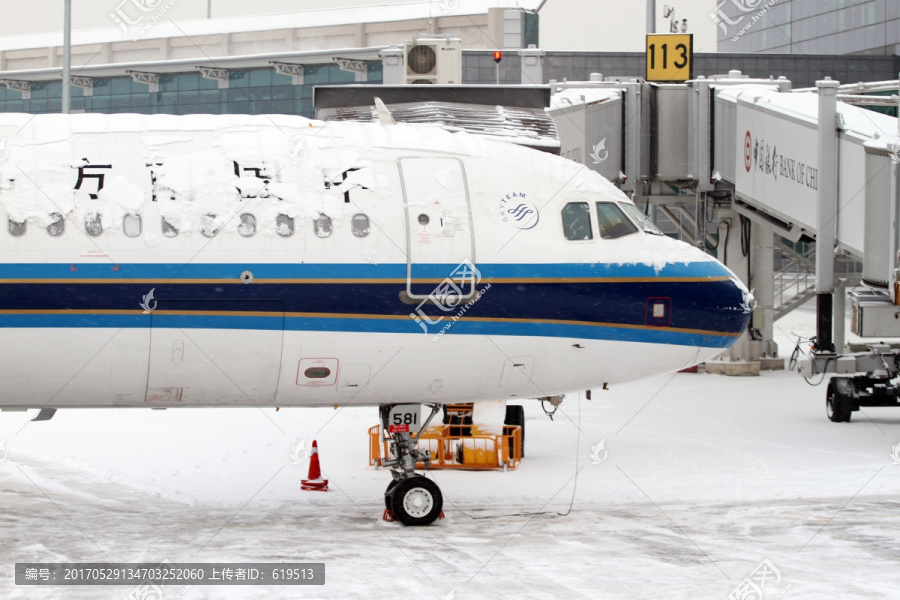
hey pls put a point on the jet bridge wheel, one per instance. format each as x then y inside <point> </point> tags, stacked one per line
<point>416,500</point>
<point>839,400</point>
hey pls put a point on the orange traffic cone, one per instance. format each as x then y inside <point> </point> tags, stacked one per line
<point>315,483</point>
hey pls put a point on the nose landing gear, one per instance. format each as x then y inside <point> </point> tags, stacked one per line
<point>410,498</point>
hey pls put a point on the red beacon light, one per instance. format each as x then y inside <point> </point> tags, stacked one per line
<point>498,56</point>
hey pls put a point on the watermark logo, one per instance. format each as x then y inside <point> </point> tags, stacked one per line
<point>448,5</point>
<point>599,453</point>
<point>449,296</point>
<point>516,209</point>
<point>4,153</point>
<point>146,303</point>
<point>895,153</point>
<point>895,453</point>
<point>744,8</point>
<point>137,17</point>
<point>298,152</point>
<point>299,453</point>
<point>597,149</point>
<point>451,595</point>
<point>3,454</point>
<point>753,587</point>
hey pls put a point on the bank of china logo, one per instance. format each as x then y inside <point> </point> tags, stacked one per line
<point>895,454</point>
<point>599,452</point>
<point>600,153</point>
<point>517,210</point>
<point>299,453</point>
<point>895,153</point>
<point>146,303</point>
<point>298,152</point>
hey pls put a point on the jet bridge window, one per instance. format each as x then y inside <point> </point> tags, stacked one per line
<point>132,225</point>
<point>613,222</point>
<point>640,218</point>
<point>359,225</point>
<point>284,225</point>
<point>93,226</point>
<point>247,226</point>
<point>576,221</point>
<point>323,226</point>
<point>58,226</point>
<point>15,228</point>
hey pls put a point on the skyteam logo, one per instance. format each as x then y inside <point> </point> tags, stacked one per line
<point>517,210</point>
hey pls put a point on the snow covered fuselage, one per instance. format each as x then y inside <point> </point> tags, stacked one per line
<point>271,260</point>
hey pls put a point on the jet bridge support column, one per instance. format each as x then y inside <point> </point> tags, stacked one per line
<point>826,214</point>
<point>762,281</point>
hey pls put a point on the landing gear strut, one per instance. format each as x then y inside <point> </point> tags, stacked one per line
<point>412,498</point>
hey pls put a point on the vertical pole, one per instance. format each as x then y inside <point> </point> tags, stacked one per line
<point>826,213</point>
<point>840,308</point>
<point>651,16</point>
<point>67,59</point>
<point>497,71</point>
<point>209,9</point>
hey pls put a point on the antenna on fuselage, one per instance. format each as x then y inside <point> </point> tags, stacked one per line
<point>384,115</point>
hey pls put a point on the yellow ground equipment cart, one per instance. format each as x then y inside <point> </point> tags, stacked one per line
<point>459,444</point>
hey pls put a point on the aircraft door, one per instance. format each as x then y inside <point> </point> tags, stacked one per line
<point>439,231</point>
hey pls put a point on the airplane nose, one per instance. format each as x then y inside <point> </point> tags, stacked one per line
<point>735,306</point>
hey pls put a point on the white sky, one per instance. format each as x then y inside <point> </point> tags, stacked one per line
<point>598,25</point>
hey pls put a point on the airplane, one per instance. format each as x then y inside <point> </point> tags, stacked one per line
<point>274,261</point>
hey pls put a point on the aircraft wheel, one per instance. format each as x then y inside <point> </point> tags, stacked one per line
<point>515,415</point>
<point>416,501</point>
<point>838,401</point>
<point>389,492</point>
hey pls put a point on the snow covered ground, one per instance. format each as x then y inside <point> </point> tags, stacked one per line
<point>684,486</point>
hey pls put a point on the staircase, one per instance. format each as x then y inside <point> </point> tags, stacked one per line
<point>795,281</point>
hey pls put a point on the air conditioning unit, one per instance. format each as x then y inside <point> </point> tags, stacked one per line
<point>433,60</point>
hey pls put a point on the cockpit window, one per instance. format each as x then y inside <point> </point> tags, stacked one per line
<point>576,221</point>
<point>613,222</point>
<point>640,218</point>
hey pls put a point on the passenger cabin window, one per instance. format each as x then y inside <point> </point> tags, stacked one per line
<point>640,218</point>
<point>359,225</point>
<point>132,225</point>
<point>168,229</point>
<point>93,225</point>
<point>247,226</point>
<point>58,226</point>
<point>613,222</point>
<point>576,220</point>
<point>284,225</point>
<point>208,226</point>
<point>323,226</point>
<point>15,228</point>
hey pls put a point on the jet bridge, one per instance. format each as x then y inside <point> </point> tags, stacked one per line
<point>733,162</point>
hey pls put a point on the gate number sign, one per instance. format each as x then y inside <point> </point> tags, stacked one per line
<point>670,57</point>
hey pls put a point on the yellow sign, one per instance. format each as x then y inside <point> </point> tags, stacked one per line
<point>670,57</point>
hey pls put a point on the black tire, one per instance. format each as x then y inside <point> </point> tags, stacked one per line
<point>515,416</point>
<point>416,501</point>
<point>839,400</point>
<point>389,492</point>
